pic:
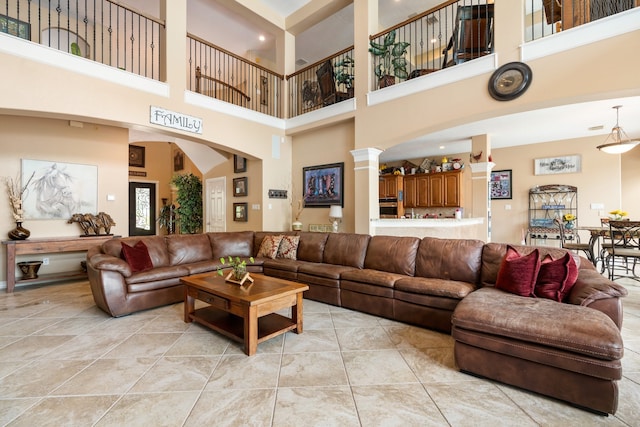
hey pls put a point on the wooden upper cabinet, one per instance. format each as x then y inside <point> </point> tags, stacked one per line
<point>422,190</point>
<point>410,192</point>
<point>436,190</point>
<point>451,190</point>
<point>389,186</point>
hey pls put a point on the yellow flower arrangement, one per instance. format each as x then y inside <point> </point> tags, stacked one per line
<point>617,214</point>
<point>569,217</point>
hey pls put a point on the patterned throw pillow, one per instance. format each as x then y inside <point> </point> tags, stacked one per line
<point>288,247</point>
<point>518,273</point>
<point>269,247</point>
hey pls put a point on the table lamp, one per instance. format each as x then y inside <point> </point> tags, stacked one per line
<point>335,215</point>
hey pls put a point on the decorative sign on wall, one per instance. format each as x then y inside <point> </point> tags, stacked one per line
<point>561,164</point>
<point>171,119</point>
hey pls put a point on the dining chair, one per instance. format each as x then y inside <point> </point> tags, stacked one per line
<point>575,245</point>
<point>472,34</point>
<point>625,249</point>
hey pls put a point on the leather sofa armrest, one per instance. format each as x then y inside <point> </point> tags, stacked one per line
<point>111,263</point>
<point>592,286</point>
<point>596,291</point>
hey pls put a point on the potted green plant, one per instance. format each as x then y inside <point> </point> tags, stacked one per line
<point>343,72</point>
<point>239,267</point>
<point>392,62</point>
<point>167,217</point>
<point>189,199</point>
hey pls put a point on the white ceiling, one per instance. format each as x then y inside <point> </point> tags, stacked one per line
<point>235,33</point>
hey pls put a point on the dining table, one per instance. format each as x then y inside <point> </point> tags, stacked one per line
<point>595,233</point>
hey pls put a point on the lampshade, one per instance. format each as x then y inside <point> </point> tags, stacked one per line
<point>335,211</point>
<point>618,141</point>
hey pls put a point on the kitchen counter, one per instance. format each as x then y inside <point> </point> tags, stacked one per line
<point>450,228</point>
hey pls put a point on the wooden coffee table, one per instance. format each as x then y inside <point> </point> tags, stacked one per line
<point>244,313</point>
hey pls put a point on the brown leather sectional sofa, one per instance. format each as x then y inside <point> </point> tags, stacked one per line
<point>571,350</point>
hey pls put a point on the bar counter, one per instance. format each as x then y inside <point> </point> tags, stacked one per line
<point>448,228</point>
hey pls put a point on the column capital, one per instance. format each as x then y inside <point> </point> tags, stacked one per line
<point>365,154</point>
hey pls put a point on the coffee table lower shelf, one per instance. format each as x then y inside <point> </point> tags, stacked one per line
<point>232,326</point>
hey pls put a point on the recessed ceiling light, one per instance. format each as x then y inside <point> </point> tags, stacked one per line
<point>442,147</point>
<point>261,38</point>
<point>599,127</point>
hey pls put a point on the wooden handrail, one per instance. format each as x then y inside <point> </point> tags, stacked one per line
<point>137,12</point>
<point>199,75</point>
<point>233,55</point>
<point>318,63</point>
<point>415,18</point>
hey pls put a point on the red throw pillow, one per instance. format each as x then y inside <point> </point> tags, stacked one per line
<point>556,277</point>
<point>137,256</point>
<point>518,273</point>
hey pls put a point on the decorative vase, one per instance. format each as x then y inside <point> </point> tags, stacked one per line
<point>296,226</point>
<point>29,269</point>
<point>239,272</point>
<point>19,233</point>
<point>569,225</point>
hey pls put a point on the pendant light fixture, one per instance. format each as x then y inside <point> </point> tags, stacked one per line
<point>618,141</point>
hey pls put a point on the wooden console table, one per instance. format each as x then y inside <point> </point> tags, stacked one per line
<point>47,246</point>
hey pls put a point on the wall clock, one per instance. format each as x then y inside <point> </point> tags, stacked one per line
<point>510,81</point>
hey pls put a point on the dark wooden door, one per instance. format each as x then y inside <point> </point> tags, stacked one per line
<point>142,209</point>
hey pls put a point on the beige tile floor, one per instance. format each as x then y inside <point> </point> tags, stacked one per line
<point>63,362</point>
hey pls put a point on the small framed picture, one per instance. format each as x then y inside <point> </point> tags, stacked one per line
<point>178,160</point>
<point>240,212</point>
<point>239,164</point>
<point>240,187</point>
<point>500,186</point>
<point>136,156</point>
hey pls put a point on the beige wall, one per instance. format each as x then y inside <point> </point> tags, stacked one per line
<point>319,147</point>
<point>599,182</point>
<point>55,140</point>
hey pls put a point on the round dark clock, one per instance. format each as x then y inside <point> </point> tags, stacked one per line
<point>510,81</point>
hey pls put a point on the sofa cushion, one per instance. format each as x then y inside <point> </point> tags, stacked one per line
<point>450,259</point>
<point>311,246</point>
<point>347,249</point>
<point>435,287</point>
<point>518,273</point>
<point>288,248</point>
<point>234,243</point>
<point>137,256</point>
<point>556,277</point>
<point>188,248</point>
<point>392,254</point>
<point>269,246</point>
<point>371,277</point>
<point>540,321</point>
<point>156,245</point>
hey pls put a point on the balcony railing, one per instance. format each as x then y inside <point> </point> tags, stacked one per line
<point>546,17</point>
<point>100,30</point>
<point>223,75</point>
<point>323,83</point>
<point>453,32</point>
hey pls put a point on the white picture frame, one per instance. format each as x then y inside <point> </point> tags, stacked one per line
<point>558,164</point>
<point>57,190</point>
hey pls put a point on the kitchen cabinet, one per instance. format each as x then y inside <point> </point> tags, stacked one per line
<point>410,194</point>
<point>390,187</point>
<point>442,189</point>
<point>451,189</point>
<point>416,191</point>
